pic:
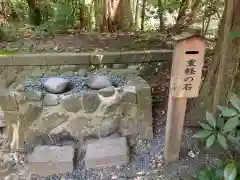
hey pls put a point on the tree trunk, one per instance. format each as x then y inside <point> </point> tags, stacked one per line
<point>35,14</point>
<point>143,14</point>
<point>82,15</point>
<point>106,11</point>
<point>100,10</point>
<point>223,76</point>
<point>3,12</point>
<point>114,15</point>
<point>160,15</point>
<point>187,14</point>
<point>224,51</point>
<point>124,16</point>
<point>136,14</point>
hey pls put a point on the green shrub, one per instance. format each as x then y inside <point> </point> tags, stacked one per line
<point>224,129</point>
<point>2,34</point>
<point>62,19</point>
<point>220,170</point>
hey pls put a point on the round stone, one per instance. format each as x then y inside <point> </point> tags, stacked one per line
<point>107,92</point>
<point>56,84</point>
<point>98,81</point>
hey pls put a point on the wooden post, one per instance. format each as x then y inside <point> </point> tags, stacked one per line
<point>188,58</point>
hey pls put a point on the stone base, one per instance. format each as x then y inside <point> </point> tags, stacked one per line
<point>49,160</point>
<point>106,152</point>
<point>33,112</point>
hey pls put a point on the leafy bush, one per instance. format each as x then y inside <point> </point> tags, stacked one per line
<point>61,20</point>
<point>219,170</point>
<point>224,129</point>
<point>2,34</point>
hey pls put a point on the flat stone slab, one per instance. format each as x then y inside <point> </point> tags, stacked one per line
<point>49,160</point>
<point>106,152</point>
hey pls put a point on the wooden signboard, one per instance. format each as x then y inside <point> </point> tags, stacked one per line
<point>188,59</point>
<point>186,75</point>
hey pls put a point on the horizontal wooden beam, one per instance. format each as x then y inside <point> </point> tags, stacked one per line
<point>123,57</point>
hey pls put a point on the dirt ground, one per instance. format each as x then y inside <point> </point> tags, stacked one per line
<point>82,42</point>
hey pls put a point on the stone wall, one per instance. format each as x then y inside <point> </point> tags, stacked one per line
<point>30,115</point>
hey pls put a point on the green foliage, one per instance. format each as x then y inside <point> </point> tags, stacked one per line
<point>2,34</point>
<point>219,170</point>
<point>61,20</point>
<point>20,8</point>
<point>223,129</point>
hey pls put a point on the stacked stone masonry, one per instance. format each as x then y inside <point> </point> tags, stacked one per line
<point>32,114</point>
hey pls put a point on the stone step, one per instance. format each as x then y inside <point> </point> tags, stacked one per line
<point>106,152</point>
<point>49,160</point>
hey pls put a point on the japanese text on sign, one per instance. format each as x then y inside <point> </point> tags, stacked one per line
<point>189,73</point>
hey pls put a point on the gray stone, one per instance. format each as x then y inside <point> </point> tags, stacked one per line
<point>107,92</point>
<point>50,119</point>
<point>98,82</point>
<point>19,88</point>
<point>2,120</point>
<point>72,102</point>
<point>49,73</point>
<point>7,77</point>
<point>90,125</point>
<point>13,118</point>
<point>120,66</point>
<point>31,111</point>
<point>106,152</point>
<point>33,95</point>
<point>128,126</point>
<point>102,126</point>
<point>8,101</point>
<point>130,95</point>
<point>66,68</point>
<point>12,176</point>
<point>19,97</point>
<point>36,73</point>
<point>112,109</point>
<point>50,160</point>
<point>9,161</point>
<point>51,100</point>
<point>56,84</point>
<point>81,72</point>
<point>54,68</point>
<point>145,111</point>
<point>124,72</point>
<point>91,101</point>
<point>68,73</point>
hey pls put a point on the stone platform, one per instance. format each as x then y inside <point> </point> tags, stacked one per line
<point>35,117</point>
<point>126,109</point>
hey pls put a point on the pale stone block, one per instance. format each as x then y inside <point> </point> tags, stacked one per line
<point>49,160</point>
<point>72,102</point>
<point>107,152</point>
<point>51,100</point>
<point>91,101</point>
